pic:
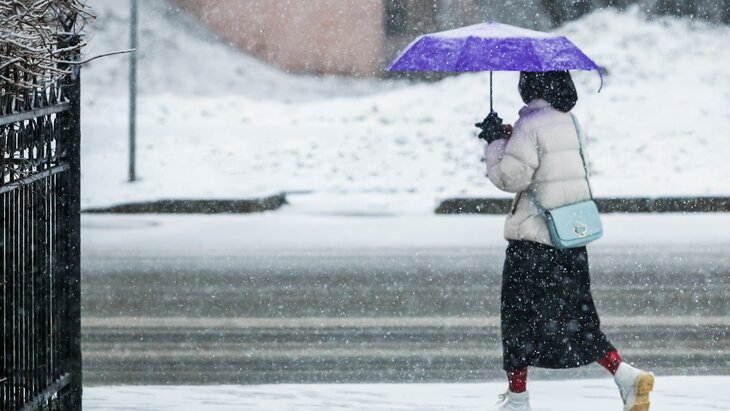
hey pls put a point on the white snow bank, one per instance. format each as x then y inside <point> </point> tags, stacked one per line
<point>170,235</point>
<point>670,394</point>
<point>177,55</point>
<point>217,124</point>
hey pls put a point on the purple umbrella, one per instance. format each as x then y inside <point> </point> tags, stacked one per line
<point>492,47</point>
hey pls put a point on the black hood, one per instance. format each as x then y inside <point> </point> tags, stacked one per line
<point>555,87</point>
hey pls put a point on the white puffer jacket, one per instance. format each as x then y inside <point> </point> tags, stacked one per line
<point>544,153</point>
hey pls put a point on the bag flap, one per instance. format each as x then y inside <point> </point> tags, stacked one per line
<point>577,220</point>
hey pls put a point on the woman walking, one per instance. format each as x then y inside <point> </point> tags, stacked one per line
<point>548,316</point>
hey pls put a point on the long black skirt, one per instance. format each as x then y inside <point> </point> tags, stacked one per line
<point>549,319</point>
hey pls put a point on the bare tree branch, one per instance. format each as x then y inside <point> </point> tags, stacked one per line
<point>29,50</point>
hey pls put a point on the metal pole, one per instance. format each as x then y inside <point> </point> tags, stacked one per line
<point>133,91</point>
<point>491,108</point>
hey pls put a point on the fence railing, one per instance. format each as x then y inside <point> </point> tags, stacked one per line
<point>40,368</point>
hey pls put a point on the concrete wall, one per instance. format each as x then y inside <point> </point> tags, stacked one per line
<point>314,36</point>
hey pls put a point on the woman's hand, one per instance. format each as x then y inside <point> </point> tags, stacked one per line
<point>507,130</point>
<point>492,128</point>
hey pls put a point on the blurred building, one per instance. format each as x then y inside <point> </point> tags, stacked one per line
<point>353,37</point>
<point>315,36</point>
<point>359,37</point>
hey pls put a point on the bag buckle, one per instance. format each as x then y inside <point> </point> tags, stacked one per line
<point>580,229</point>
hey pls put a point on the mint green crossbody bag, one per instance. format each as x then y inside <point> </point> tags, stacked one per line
<point>573,225</point>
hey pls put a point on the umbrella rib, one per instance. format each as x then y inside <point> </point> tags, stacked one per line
<point>534,53</point>
<point>461,54</point>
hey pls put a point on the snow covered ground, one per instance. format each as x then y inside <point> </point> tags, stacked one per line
<point>671,394</point>
<point>214,123</point>
<point>165,235</point>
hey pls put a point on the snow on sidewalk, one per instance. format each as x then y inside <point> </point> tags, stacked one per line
<point>670,394</point>
<point>209,235</point>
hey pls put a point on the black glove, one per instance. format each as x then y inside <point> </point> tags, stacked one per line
<point>491,128</point>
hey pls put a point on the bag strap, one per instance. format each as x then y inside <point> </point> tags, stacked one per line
<point>540,209</point>
<point>531,190</point>
<point>582,156</point>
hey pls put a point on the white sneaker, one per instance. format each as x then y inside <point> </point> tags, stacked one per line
<point>515,401</point>
<point>634,385</point>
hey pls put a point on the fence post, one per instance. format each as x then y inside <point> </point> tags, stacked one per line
<point>71,226</point>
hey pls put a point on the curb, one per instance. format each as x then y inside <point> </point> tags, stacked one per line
<point>257,205</point>
<point>605,205</point>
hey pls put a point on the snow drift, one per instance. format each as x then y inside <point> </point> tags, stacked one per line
<point>215,123</point>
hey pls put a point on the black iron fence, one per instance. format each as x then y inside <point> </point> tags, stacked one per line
<point>40,312</point>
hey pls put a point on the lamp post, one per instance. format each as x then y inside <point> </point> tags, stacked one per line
<point>133,91</point>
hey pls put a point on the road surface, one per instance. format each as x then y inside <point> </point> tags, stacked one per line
<point>192,300</point>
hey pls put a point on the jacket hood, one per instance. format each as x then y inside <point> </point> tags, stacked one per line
<point>534,105</point>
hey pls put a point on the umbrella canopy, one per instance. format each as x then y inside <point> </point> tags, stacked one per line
<point>492,47</point>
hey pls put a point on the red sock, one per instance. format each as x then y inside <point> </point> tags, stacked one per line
<point>517,380</point>
<point>611,361</point>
